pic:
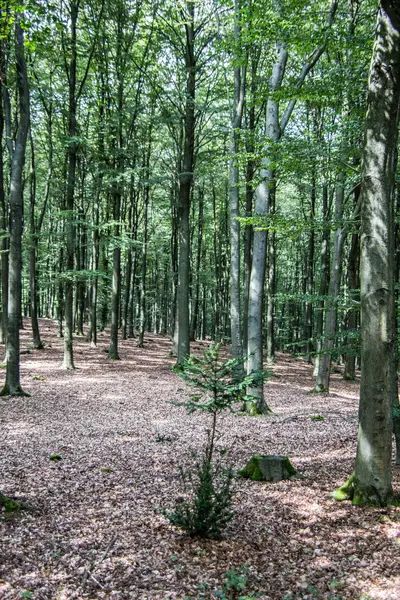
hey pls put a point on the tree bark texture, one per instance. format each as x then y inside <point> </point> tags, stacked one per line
<point>237,115</point>
<point>12,385</point>
<point>372,477</point>
<point>185,184</point>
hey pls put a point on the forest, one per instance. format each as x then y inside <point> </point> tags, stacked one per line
<point>199,309</point>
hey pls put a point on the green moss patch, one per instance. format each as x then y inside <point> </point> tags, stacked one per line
<point>268,468</point>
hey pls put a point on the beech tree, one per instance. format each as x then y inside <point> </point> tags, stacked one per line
<point>12,384</point>
<point>371,482</point>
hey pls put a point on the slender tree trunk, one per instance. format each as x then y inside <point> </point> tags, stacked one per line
<point>324,281</point>
<point>185,184</point>
<point>142,300</point>
<point>3,220</point>
<point>236,121</point>
<point>264,192</point>
<point>116,279</point>
<point>309,287</point>
<point>196,303</point>
<point>324,370</point>
<point>68,362</point>
<point>12,385</point>
<point>271,281</point>
<point>37,342</point>
<point>353,282</point>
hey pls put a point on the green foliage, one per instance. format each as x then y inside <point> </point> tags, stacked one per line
<point>209,485</point>
<point>236,582</point>
<point>215,375</point>
<point>209,507</point>
<point>55,457</point>
<point>317,418</point>
<point>9,505</point>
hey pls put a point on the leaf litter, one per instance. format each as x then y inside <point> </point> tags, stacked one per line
<point>95,528</point>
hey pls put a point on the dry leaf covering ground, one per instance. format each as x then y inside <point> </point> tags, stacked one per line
<point>95,530</point>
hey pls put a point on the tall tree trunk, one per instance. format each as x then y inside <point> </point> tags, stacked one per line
<point>353,284</point>
<point>3,217</point>
<point>275,129</point>
<point>324,370</point>
<point>68,362</point>
<point>271,280</point>
<point>324,280</point>
<point>196,303</point>
<point>142,300</point>
<point>37,342</point>
<point>236,124</point>
<point>309,287</point>
<point>12,385</point>
<point>250,172</point>
<point>185,184</point>
<point>265,190</point>
<point>372,479</point>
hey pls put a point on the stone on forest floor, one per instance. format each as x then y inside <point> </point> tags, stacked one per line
<point>268,468</point>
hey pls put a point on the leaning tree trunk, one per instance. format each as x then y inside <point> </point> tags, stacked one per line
<point>12,385</point>
<point>371,482</point>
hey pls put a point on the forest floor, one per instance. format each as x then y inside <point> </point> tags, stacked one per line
<point>95,529</point>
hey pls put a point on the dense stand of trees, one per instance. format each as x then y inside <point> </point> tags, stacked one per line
<point>190,168</point>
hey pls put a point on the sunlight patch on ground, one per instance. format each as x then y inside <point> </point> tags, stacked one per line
<point>385,589</point>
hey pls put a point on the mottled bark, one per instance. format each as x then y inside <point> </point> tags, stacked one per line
<point>372,481</point>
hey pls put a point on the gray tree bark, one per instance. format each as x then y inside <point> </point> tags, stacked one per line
<point>372,478</point>
<point>12,384</point>
<point>237,115</point>
<point>275,128</point>
<point>324,364</point>
<point>371,483</point>
<point>185,184</point>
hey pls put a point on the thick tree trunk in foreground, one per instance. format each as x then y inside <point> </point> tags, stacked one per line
<point>12,385</point>
<point>372,479</point>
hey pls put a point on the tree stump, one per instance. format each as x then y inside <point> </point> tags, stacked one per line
<point>268,468</point>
